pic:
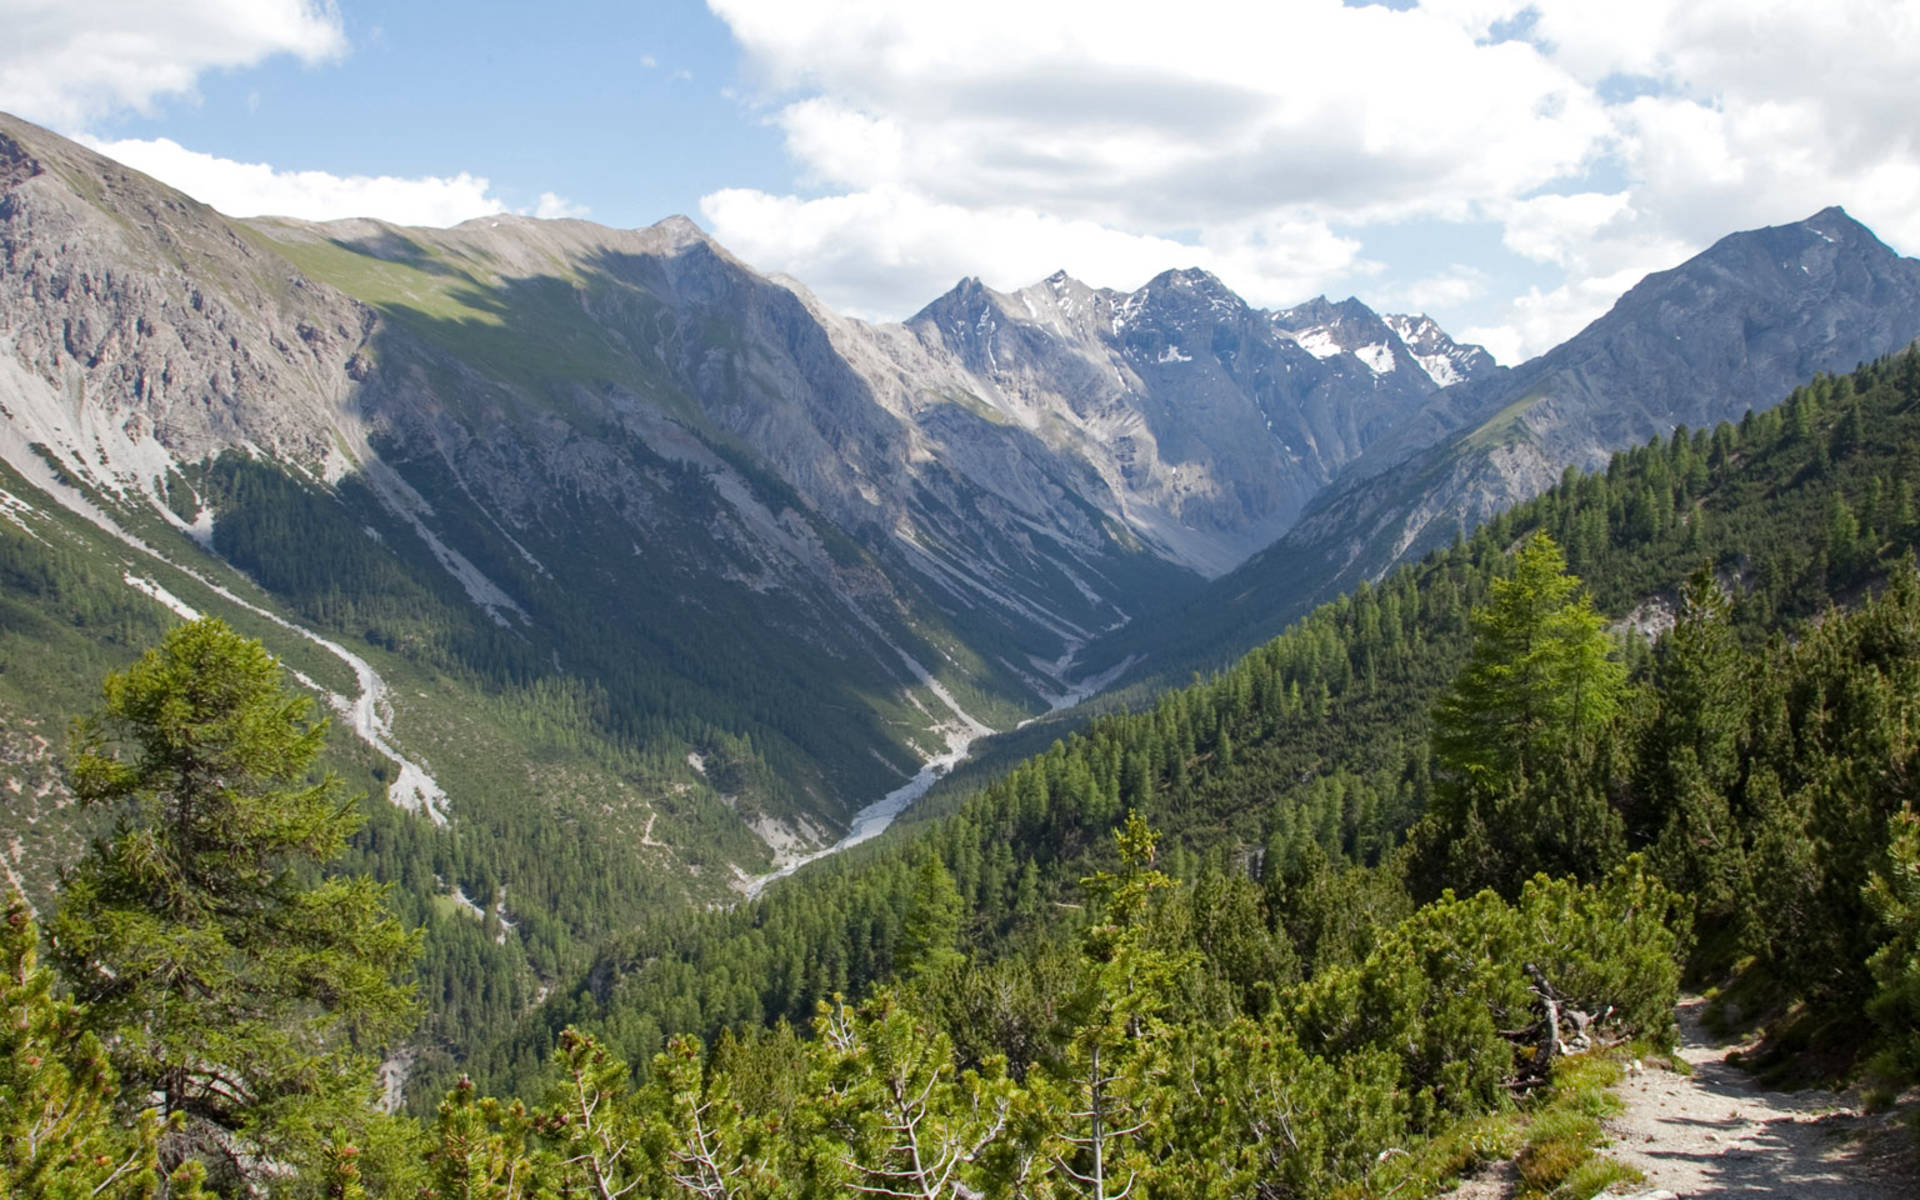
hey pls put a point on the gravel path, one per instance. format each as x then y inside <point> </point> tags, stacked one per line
<point>1718,1133</point>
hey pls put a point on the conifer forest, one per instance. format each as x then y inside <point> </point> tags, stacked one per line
<point>1399,892</point>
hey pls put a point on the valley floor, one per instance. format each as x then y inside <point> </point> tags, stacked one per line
<point>1718,1133</point>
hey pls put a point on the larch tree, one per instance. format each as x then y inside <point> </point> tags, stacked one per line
<point>1518,781</point>
<point>1540,677</point>
<point>931,927</point>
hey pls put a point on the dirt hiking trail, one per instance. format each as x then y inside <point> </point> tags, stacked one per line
<point>1717,1133</point>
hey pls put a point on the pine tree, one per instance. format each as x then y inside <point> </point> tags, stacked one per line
<point>235,988</point>
<point>58,1136</point>
<point>1690,754</point>
<point>1108,1092</point>
<point>1894,895</point>
<point>902,1120</point>
<point>703,1142</point>
<point>481,1149</point>
<point>590,1122</point>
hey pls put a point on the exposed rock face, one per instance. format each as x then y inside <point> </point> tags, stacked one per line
<point>1210,423</point>
<point>1444,360</point>
<point>1736,327</point>
<point>160,332</point>
<point>572,423</point>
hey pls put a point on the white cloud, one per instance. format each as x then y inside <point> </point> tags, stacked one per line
<point>993,138</point>
<point>257,189</point>
<point>1557,228</point>
<point>68,62</point>
<point>1089,111</point>
<point>1459,284</point>
<point>885,252</point>
<point>552,207</point>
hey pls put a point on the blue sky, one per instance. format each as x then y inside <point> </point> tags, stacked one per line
<point>616,106</point>
<point>1509,166</point>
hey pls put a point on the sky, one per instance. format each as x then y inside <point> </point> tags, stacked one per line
<point>1506,166</point>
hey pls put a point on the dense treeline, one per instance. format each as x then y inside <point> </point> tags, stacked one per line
<point>1147,1067</point>
<point>1332,902</point>
<point>1313,751</point>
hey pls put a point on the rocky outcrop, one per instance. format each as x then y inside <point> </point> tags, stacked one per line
<point>1736,327</point>
<point>569,424</point>
<point>162,332</point>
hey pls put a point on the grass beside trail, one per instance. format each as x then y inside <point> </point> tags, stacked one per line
<point>1553,1141</point>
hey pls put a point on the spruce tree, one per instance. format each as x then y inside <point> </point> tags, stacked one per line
<point>242,993</point>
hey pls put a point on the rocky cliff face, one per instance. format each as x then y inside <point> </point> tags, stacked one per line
<point>1737,327</point>
<point>614,445</point>
<point>1209,423</point>
<point>1444,360</point>
<point>1734,328</point>
<point>139,328</point>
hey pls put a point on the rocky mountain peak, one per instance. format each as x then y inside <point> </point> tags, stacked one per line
<point>1445,361</point>
<point>1797,267</point>
<point>1326,330</point>
<point>1184,299</point>
<point>965,313</point>
<point>1196,282</point>
<point>1322,311</point>
<point>679,228</point>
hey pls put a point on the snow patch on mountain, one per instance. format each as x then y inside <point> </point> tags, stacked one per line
<point>1439,368</point>
<point>1318,342</point>
<point>1444,360</point>
<point>1378,358</point>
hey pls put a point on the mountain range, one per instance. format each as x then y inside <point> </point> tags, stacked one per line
<point>602,535</point>
<point>1731,330</point>
<point>620,452</point>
